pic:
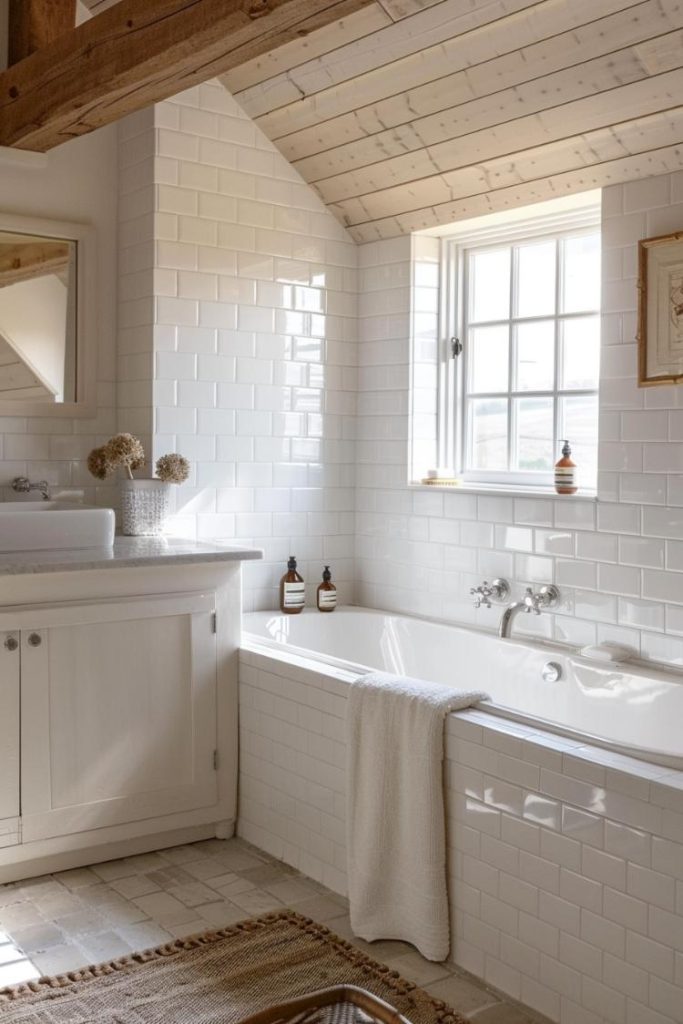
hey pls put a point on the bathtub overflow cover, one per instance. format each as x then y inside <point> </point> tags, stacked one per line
<point>551,672</point>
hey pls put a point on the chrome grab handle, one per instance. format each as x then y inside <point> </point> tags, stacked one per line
<point>35,640</point>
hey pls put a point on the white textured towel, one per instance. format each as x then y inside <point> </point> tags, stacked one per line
<point>396,832</point>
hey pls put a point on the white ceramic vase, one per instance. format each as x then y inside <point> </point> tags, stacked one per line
<point>144,507</point>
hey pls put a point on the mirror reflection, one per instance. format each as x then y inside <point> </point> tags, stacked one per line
<point>38,316</point>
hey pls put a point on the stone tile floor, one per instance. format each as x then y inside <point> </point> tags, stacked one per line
<point>60,922</point>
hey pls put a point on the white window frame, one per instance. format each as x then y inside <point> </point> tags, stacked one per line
<point>452,411</point>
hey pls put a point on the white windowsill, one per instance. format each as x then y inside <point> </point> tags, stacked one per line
<point>503,491</point>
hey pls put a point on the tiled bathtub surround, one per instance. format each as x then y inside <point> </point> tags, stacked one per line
<point>238,343</point>
<point>565,862</point>
<point>618,561</point>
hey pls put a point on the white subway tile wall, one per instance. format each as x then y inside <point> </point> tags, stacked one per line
<point>617,561</point>
<point>565,863</point>
<point>238,338</point>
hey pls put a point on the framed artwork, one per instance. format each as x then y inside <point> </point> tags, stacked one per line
<point>660,310</point>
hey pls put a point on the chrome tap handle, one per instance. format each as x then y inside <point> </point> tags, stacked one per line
<point>499,590</point>
<point>22,485</point>
<point>481,595</point>
<point>536,602</point>
<point>548,596</point>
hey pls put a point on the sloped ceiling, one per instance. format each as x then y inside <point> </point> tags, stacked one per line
<point>415,113</point>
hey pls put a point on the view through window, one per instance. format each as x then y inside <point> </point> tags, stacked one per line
<point>528,321</point>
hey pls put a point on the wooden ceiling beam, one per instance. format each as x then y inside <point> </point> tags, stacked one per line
<point>34,24</point>
<point>22,261</point>
<point>134,54</point>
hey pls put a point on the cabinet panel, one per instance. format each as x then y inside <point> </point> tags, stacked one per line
<point>118,719</point>
<point>10,660</point>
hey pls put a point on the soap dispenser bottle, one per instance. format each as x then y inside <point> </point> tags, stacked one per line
<point>292,590</point>
<point>327,592</point>
<point>565,472</point>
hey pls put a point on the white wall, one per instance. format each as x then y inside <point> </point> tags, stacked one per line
<point>237,327</point>
<point>33,317</point>
<point>237,346</point>
<point>79,183</point>
<point>618,560</point>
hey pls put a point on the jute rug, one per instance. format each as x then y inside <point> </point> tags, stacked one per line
<point>217,978</point>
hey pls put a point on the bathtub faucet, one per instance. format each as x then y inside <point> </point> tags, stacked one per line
<point>547,597</point>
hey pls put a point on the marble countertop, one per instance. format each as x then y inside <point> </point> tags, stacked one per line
<point>127,552</point>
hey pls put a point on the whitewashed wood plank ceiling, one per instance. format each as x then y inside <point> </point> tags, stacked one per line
<point>415,113</point>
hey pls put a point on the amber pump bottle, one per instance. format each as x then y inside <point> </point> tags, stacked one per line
<point>565,472</point>
<point>292,590</point>
<point>327,592</point>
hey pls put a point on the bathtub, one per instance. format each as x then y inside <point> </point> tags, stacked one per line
<point>632,709</point>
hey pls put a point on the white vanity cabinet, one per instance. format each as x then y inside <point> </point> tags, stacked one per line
<point>10,659</point>
<point>118,704</point>
<point>118,718</point>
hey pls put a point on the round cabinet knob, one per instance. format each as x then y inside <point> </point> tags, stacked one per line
<point>11,643</point>
<point>35,640</point>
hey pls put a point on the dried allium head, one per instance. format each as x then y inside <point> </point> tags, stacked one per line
<point>125,450</point>
<point>173,468</point>
<point>98,463</point>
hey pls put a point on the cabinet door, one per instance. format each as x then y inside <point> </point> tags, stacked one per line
<point>10,659</point>
<point>118,714</point>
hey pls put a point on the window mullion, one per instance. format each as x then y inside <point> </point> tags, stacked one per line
<point>463,369</point>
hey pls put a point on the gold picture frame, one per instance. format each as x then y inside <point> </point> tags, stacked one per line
<point>660,310</point>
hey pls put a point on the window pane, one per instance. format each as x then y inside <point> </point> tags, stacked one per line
<point>536,279</point>
<point>533,425</point>
<point>489,274</point>
<point>488,359</point>
<point>488,432</point>
<point>579,424</point>
<point>581,273</point>
<point>580,353</point>
<point>535,356</point>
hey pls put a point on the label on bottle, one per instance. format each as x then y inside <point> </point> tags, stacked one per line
<point>294,595</point>
<point>327,598</point>
<point>565,476</point>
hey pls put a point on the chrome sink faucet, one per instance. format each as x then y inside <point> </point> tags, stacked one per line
<point>533,602</point>
<point>22,485</point>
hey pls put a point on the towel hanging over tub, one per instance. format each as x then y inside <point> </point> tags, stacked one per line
<point>396,833</point>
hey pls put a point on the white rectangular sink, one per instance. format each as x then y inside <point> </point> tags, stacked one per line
<point>54,526</point>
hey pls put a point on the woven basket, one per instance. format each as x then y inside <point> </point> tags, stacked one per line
<point>145,506</point>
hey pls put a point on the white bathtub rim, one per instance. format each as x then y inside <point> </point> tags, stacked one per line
<point>347,671</point>
<point>644,666</point>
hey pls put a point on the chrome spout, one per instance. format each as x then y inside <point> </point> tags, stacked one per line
<point>509,615</point>
<point>546,598</point>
